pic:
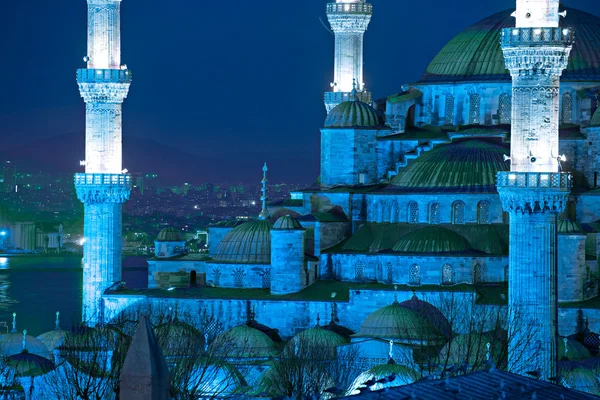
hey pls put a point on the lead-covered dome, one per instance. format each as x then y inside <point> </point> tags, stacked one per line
<point>433,239</point>
<point>169,235</point>
<point>475,54</point>
<point>244,341</point>
<point>353,114</point>
<point>287,223</point>
<point>246,243</point>
<point>467,165</point>
<point>567,226</point>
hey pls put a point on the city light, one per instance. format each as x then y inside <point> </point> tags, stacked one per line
<point>2,233</point>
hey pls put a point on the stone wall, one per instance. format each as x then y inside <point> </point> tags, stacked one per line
<point>572,274</point>
<point>173,273</point>
<point>239,275</point>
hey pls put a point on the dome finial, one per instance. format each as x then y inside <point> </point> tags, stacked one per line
<point>24,340</point>
<point>318,325</point>
<point>391,354</point>
<point>488,354</point>
<point>566,342</point>
<point>14,323</point>
<point>57,321</point>
<point>395,294</point>
<point>354,92</point>
<point>264,213</point>
<point>205,341</point>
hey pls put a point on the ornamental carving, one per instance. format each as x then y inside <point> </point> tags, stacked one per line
<point>104,92</point>
<point>356,23</point>
<point>97,194</point>
<point>533,201</point>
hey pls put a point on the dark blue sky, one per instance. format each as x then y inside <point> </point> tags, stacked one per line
<point>236,81</point>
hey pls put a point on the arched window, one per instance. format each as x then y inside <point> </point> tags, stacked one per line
<point>505,217</point>
<point>266,278</point>
<point>193,278</point>
<point>217,274</point>
<point>571,211</point>
<point>413,213</point>
<point>238,278</point>
<point>567,108</point>
<point>390,273</point>
<point>505,108</point>
<point>338,270</point>
<point>449,110</point>
<point>414,275</point>
<point>434,213</point>
<point>474,109</point>
<point>396,213</point>
<point>447,274</point>
<point>483,212</point>
<point>458,212</point>
<point>477,273</point>
<point>506,273</point>
<point>360,271</point>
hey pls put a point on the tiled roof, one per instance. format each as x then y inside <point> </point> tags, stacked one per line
<point>475,54</point>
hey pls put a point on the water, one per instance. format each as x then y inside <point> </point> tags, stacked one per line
<point>35,287</point>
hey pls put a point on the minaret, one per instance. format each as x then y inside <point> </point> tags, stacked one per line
<point>536,52</point>
<point>104,186</point>
<point>349,20</point>
<point>264,212</point>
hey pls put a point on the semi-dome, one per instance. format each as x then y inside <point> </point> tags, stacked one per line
<point>169,235</point>
<point>433,239</point>
<point>287,223</point>
<point>475,54</point>
<point>401,376</point>
<point>466,165</point>
<point>244,341</point>
<point>353,114</point>
<point>398,323</point>
<point>430,313</point>
<point>246,243</point>
<point>569,227</point>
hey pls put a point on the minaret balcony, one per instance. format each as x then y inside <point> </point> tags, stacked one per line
<point>537,180</point>
<point>532,37</point>
<point>332,99</point>
<point>86,75</point>
<point>103,188</point>
<point>349,8</point>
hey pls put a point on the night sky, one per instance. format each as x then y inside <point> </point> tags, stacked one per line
<point>233,82</point>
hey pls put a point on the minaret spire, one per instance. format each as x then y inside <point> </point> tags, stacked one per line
<point>264,213</point>
<point>105,185</point>
<point>536,52</point>
<point>349,20</point>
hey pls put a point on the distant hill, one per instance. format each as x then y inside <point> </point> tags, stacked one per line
<point>61,154</point>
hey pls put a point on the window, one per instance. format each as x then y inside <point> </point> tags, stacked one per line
<point>434,213</point>
<point>390,273</point>
<point>193,278</point>
<point>338,270</point>
<point>360,271</point>
<point>505,217</point>
<point>217,273</point>
<point>385,212</point>
<point>413,213</point>
<point>396,212</point>
<point>506,273</point>
<point>449,110</point>
<point>477,273</point>
<point>447,274</point>
<point>483,212</point>
<point>414,275</point>
<point>474,109</point>
<point>266,278</point>
<point>362,178</point>
<point>567,108</point>
<point>238,278</point>
<point>505,108</point>
<point>458,212</point>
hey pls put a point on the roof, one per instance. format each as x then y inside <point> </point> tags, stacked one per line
<point>465,165</point>
<point>321,338</point>
<point>287,223</point>
<point>487,384</point>
<point>170,235</point>
<point>249,242</point>
<point>245,341</point>
<point>374,237</point>
<point>409,94</point>
<point>569,227</point>
<point>353,114</point>
<point>475,54</point>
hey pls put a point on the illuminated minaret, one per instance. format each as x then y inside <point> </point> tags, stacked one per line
<point>349,20</point>
<point>104,186</point>
<point>536,52</point>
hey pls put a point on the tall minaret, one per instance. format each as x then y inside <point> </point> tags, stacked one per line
<point>349,20</point>
<point>105,186</point>
<point>535,190</point>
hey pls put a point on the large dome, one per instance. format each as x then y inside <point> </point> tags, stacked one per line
<point>467,165</point>
<point>475,54</point>
<point>247,243</point>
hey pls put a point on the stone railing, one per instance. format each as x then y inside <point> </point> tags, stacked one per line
<point>104,75</point>
<point>349,8</point>
<point>103,179</point>
<point>334,98</point>
<point>538,180</point>
<point>537,37</point>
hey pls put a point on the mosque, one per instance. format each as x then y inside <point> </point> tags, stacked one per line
<point>479,181</point>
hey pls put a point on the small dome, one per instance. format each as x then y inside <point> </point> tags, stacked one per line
<point>339,329</point>
<point>244,341</point>
<point>402,376</point>
<point>321,337</point>
<point>353,114</point>
<point>169,235</point>
<point>576,351</point>
<point>466,165</point>
<point>246,243</point>
<point>178,338</point>
<point>469,347</point>
<point>430,313</point>
<point>433,239</point>
<point>569,227</point>
<point>399,323</point>
<point>579,377</point>
<point>12,343</point>
<point>52,339</point>
<point>287,223</point>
